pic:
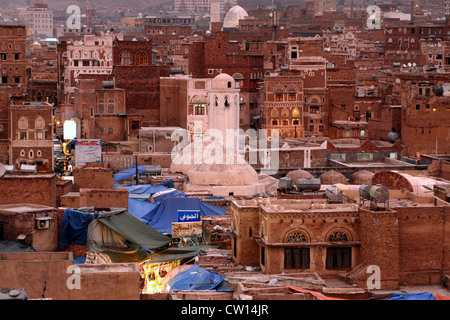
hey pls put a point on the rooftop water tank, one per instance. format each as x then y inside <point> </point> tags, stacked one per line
<point>285,183</point>
<point>379,193</point>
<point>334,194</point>
<point>364,191</point>
<point>308,184</point>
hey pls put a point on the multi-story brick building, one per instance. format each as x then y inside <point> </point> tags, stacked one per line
<point>305,54</point>
<point>31,135</point>
<point>425,117</point>
<point>282,105</point>
<point>100,111</point>
<point>220,53</point>
<point>291,236</point>
<point>93,55</point>
<point>13,61</point>
<point>134,72</point>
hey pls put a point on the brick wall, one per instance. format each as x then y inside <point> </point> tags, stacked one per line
<point>91,177</point>
<point>379,235</point>
<point>422,243</point>
<point>35,189</point>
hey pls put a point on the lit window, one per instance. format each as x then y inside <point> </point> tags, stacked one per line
<point>125,58</point>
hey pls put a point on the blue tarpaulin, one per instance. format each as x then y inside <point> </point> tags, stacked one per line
<point>195,278</point>
<point>128,172</point>
<point>412,296</point>
<point>144,189</point>
<point>161,217</point>
<point>168,193</point>
<point>74,227</point>
<point>140,208</point>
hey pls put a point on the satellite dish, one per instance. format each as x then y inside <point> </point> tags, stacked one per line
<point>409,64</point>
<point>2,170</point>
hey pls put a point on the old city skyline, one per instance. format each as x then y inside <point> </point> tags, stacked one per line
<point>293,152</point>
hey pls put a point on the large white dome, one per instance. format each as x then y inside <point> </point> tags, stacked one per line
<point>233,16</point>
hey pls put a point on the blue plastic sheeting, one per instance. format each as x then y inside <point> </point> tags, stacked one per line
<point>128,172</point>
<point>214,198</point>
<point>144,189</point>
<point>412,296</point>
<point>74,227</point>
<point>140,208</point>
<point>168,193</point>
<point>79,260</point>
<point>196,278</point>
<point>161,217</point>
<point>168,183</point>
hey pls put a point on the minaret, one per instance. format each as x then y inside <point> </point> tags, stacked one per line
<point>223,100</point>
<point>214,23</point>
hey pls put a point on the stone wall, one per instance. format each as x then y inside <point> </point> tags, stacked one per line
<point>35,189</point>
<point>93,177</point>
<point>46,275</point>
<point>379,234</point>
<point>19,220</point>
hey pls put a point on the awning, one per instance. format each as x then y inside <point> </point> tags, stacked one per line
<point>135,231</point>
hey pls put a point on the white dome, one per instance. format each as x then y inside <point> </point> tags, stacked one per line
<point>223,81</point>
<point>233,16</point>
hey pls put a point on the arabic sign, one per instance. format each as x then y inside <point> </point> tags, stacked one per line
<point>188,215</point>
<point>187,229</point>
<point>88,150</point>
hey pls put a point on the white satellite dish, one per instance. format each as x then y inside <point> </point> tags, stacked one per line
<point>2,170</point>
<point>409,64</point>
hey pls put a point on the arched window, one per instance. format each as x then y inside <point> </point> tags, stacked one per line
<point>296,113</point>
<point>141,58</point>
<point>285,113</point>
<point>274,113</point>
<point>199,107</point>
<point>296,257</point>
<point>338,236</point>
<point>278,95</point>
<point>125,58</point>
<point>111,106</point>
<point>338,257</point>
<point>100,106</point>
<point>23,128</point>
<point>296,236</point>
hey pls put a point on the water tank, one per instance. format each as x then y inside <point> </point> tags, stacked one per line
<point>153,170</point>
<point>308,184</point>
<point>364,191</point>
<point>285,183</point>
<point>379,193</point>
<point>108,84</point>
<point>334,194</point>
<point>9,169</point>
<point>25,168</point>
